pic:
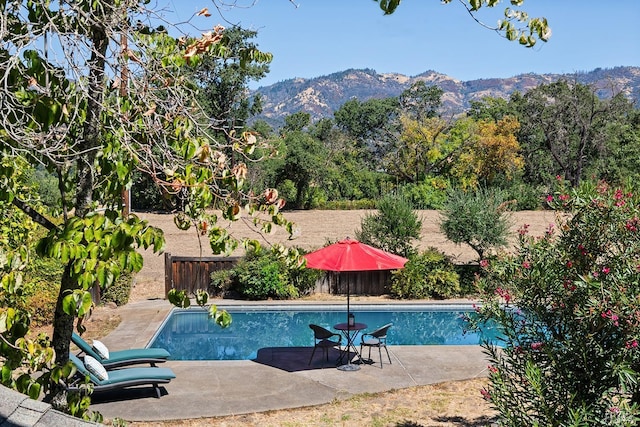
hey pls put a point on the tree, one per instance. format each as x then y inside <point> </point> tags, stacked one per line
<point>93,93</point>
<point>489,108</point>
<point>223,82</point>
<point>296,122</point>
<point>421,101</point>
<point>423,149</point>
<point>393,228</point>
<point>302,162</point>
<point>565,127</point>
<point>492,153</point>
<point>372,124</point>
<point>477,218</point>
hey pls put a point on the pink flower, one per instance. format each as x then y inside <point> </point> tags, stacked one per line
<point>564,197</point>
<point>536,346</point>
<point>485,394</point>
<point>615,409</point>
<point>549,198</point>
<point>618,195</point>
<point>492,369</point>
<point>484,263</point>
<point>631,344</point>
<point>606,270</point>
<point>569,285</point>
<point>611,315</point>
<point>569,264</point>
<point>523,230</point>
<point>504,294</point>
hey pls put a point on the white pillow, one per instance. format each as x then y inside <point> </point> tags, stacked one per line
<point>96,368</point>
<point>101,349</point>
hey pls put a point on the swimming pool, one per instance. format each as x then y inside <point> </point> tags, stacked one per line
<point>190,335</point>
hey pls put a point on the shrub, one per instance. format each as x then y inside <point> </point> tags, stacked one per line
<point>221,282</point>
<point>393,228</point>
<point>430,274</point>
<point>567,305</point>
<point>42,285</point>
<point>429,194</point>
<point>467,274</point>
<point>524,196</point>
<point>262,275</point>
<point>41,304</point>
<point>120,291</point>
<point>348,204</point>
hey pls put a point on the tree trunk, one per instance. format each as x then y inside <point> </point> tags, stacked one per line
<point>63,323</point>
<point>91,140</point>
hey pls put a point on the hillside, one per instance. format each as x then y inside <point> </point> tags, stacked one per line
<point>321,96</point>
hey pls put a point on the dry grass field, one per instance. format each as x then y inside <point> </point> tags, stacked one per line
<point>447,404</point>
<point>314,229</point>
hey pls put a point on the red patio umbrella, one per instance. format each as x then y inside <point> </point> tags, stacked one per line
<point>352,255</point>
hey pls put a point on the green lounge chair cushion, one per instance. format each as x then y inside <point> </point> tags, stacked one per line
<point>122,357</point>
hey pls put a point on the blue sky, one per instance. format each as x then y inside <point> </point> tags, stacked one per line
<point>320,37</point>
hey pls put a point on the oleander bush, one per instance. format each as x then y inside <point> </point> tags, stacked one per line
<point>567,305</point>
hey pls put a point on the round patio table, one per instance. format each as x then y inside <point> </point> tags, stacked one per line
<point>349,332</point>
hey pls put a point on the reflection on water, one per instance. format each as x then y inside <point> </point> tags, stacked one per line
<point>191,335</point>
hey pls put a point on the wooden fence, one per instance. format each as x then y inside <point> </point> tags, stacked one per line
<point>192,273</point>
<point>358,282</point>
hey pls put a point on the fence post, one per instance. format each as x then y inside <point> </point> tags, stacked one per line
<point>168,274</point>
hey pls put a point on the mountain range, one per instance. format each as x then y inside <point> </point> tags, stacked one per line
<point>321,96</point>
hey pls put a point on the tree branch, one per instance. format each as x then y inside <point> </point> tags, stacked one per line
<point>33,214</point>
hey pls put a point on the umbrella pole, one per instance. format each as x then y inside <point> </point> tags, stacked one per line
<point>348,366</point>
<point>348,309</point>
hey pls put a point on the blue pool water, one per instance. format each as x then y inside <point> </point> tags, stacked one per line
<point>191,335</point>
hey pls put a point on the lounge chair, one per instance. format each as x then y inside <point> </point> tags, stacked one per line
<point>377,338</point>
<point>322,338</point>
<point>120,358</point>
<point>119,378</point>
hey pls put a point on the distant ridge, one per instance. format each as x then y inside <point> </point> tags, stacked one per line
<point>321,96</point>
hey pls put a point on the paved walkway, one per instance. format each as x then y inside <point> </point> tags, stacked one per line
<point>279,378</point>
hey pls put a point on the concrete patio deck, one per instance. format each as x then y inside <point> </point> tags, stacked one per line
<point>279,378</point>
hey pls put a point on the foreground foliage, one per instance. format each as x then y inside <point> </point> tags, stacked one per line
<point>568,306</point>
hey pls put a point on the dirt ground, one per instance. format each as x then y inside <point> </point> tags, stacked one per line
<point>448,404</point>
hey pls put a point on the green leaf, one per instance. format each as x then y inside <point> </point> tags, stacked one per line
<point>88,234</point>
<point>85,304</point>
<point>136,261</point>
<point>221,317</point>
<point>202,297</point>
<point>69,305</point>
<point>34,391</point>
